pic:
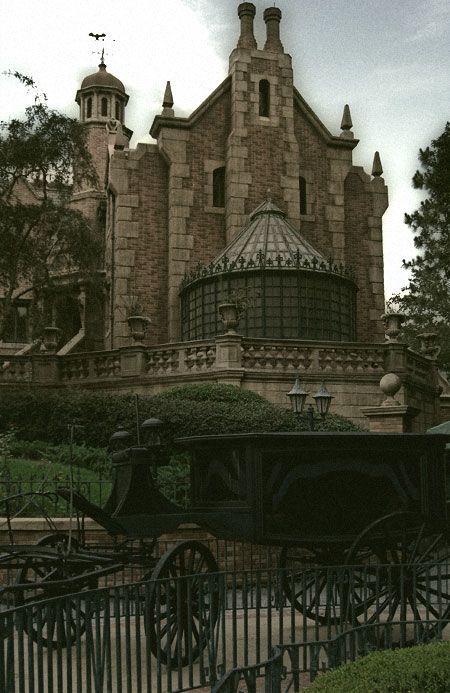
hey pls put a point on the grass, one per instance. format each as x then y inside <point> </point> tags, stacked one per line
<point>20,475</point>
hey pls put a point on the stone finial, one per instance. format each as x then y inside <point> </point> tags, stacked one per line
<point>346,123</point>
<point>272,18</point>
<point>377,168</point>
<point>246,13</point>
<point>390,384</point>
<point>168,101</point>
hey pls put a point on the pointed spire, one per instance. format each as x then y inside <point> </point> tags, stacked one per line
<point>168,101</point>
<point>377,168</point>
<point>346,123</point>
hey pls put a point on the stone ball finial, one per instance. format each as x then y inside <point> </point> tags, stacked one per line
<point>390,384</point>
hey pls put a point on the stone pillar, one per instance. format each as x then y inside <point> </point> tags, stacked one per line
<point>390,416</point>
<point>390,419</point>
<point>45,369</point>
<point>246,13</point>
<point>132,361</point>
<point>272,18</point>
<point>229,359</point>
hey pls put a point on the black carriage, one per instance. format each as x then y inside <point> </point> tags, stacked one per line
<point>325,499</point>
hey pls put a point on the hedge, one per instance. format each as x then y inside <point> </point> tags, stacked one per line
<point>186,410</point>
<point>420,669</point>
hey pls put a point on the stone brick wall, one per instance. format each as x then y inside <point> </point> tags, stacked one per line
<point>137,241</point>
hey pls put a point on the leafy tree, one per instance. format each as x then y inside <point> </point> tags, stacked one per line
<point>43,156</point>
<point>426,301</point>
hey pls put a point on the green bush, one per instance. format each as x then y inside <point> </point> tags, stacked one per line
<point>186,410</point>
<point>421,669</point>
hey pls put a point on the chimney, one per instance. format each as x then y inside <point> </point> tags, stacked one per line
<point>272,18</point>
<point>246,13</point>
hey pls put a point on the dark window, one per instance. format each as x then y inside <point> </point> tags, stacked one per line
<point>219,187</point>
<point>15,327</point>
<point>117,110</point>
<point>264,98</point>
<point>302,190</point>
<point>89,108</point>
<point>104,106</point>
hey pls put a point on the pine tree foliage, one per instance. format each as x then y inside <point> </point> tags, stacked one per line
<point>426,301</point>
<point>43,155</point>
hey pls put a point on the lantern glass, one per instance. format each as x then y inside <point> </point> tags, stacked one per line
<point>119,440</point>
<point>323,400</point>
<point>151,430</point>
<point>297,397</point>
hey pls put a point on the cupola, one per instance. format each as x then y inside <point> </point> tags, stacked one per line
<point>287,289</point>
<point>101,97</point>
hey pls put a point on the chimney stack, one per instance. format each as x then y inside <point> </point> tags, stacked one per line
<point>246,13</point>
<point>272,18</point>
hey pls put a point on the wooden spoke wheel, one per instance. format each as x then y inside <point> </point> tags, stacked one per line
<point>61,621</point>
<point>183,604</point>
<point>404,574</point>
<point>312,584</point>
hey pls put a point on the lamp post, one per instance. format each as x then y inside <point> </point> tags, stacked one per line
<point>298,397</point>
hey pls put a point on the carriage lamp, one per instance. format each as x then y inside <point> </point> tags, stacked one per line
<point>151,432</point>
<point>120,440</point>
<point>298,397</point>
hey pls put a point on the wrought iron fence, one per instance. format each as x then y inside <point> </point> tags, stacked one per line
<point>96,491</point>
<point>183,633</point>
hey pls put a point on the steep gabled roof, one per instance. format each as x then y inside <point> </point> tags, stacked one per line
<point>161,121</point>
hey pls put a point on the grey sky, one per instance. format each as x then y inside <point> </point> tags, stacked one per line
<point>389,60</point>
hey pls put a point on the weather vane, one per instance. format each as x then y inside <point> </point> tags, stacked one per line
<point>99,37</point>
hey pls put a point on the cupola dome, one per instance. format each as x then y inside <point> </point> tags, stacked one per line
<point>102,79</point>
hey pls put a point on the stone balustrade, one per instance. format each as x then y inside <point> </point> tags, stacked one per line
<point>16,369</point>
<point>183,360</point>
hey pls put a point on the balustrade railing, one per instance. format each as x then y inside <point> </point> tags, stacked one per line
<point>257,355</point>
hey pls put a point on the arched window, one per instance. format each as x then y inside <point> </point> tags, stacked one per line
<point>219,187</point>
<point>89,108</point>
<point>117,110</point>
<point>302,191</point>
<point>104,106</point>
<point>264,98</point>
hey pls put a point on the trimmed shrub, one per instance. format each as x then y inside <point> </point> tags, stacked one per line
<point>186,410</point>
<point>420,669</point>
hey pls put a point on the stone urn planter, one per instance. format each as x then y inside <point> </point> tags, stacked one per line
<point>229,314</point>
<point>428,345</point>
<point>138,325</point>
<point>50,338</point>
<point>393,324</point>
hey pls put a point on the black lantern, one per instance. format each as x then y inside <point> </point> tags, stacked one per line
<point>120,440</point>
<point>297,397</point>
<point>151,431</point>
<point>323,400</point>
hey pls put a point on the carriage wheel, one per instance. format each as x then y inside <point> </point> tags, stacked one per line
<point>63,621</point>
<point>404,573</point>
<point>181,613</point>
<point>312,584</point>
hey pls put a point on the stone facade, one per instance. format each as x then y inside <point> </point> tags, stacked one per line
<point>163,222</point>
<point>162,212</point>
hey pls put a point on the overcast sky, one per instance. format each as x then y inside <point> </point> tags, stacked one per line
<point>389,60</point>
